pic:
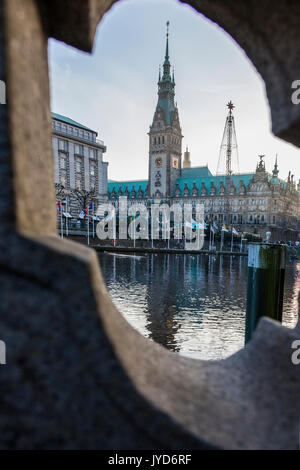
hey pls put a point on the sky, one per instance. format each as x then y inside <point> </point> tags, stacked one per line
<point>114,89</point>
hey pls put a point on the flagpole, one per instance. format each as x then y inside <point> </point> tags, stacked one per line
<point>67,219</point>
<point>222,235</point>
<point>221,242</point>
<point>88,226</point>
<point>168,235</point>
<point>134,232</point>
<point>61,223</point>
<point>241,245</point>
<point>114,225</point>
<point>151,233</point>
<point>231,238</point>
<point>93,221</point>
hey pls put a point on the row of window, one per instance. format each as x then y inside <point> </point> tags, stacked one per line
<point>78,148</point>
<point>237,218</point>
<point>258,201</point>
<point>75,131</point>
<point>213,191</point>
<point>79,172</point>
<point>161,140</point>
<point>158,140</point>
<point>233,202</point>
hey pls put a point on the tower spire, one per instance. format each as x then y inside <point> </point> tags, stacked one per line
<point>166,87</point>
<point>275,169</point>
<point>167,42</point>
<point>187,159</point>
<point>167,66</point>
<point>165,135</point>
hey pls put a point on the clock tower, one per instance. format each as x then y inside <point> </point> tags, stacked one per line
<point>165,136</point>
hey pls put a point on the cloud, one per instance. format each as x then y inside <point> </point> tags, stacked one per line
<point>114,90</point>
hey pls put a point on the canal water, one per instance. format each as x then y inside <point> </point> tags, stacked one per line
<point>190,304</point>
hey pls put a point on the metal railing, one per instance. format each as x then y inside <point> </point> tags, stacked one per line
<point>92,142</point>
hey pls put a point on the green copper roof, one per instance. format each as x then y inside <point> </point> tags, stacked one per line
<point>276,180</point>
<point>196,172</point>
<point>129,184</point>
<point>245,178</point>
<point>196,178</point>
<point>67,120</point>
<point>168,109</point>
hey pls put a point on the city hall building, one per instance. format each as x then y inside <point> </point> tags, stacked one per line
<point>252,202</point>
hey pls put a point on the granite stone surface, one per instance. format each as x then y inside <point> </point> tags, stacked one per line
<point>78,376</point>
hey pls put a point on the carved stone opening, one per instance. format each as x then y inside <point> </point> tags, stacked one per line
<point>77,375</point>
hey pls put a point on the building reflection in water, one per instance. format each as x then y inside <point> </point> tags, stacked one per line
<point>161,309</point>
<point>191,304</point>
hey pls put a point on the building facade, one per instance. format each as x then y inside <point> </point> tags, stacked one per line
<point>251,202</point>
<point>80,174</point>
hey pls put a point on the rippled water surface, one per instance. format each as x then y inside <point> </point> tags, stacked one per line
<point>191,304</point>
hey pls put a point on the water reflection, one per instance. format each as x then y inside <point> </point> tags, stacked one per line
<point>191,304</point>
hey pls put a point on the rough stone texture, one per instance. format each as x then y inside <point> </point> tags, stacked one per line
<point>77,374</point>
<point>78,27</point>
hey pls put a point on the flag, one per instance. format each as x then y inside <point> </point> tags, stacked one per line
<point>59,206</point>
<point>234,231</point>
<point>81,215</point>
<point>224,229</point>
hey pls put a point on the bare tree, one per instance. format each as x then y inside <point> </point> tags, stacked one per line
<point>84,198</point>
<point>60,191</point>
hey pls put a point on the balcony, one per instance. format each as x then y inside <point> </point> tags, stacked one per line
<point>70,135</point>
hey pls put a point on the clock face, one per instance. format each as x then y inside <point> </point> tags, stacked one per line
<point>175,162</point>
<point>158,162</point>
